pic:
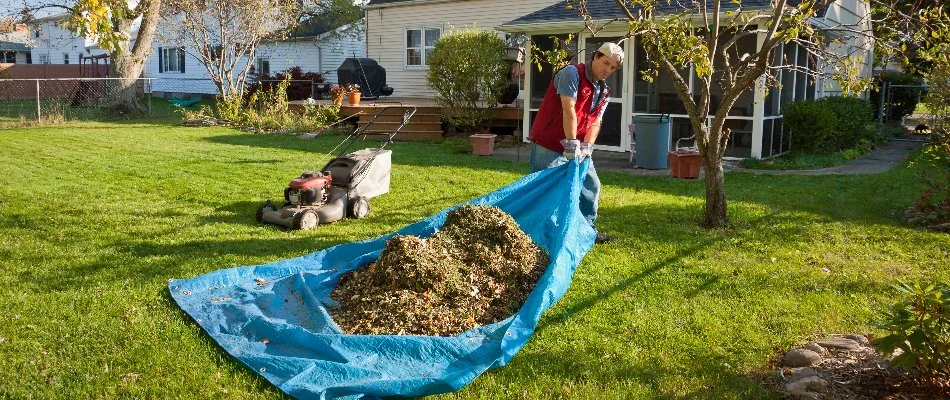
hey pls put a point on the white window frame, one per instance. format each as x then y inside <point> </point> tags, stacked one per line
<point>166,51</point>
<point>422,48</point>
<point>44,58</point>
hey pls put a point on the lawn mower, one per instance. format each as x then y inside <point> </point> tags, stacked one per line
<point>343,187</point>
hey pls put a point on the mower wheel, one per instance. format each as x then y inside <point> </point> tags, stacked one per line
<point>358,207</point>
<point>306,220</point>
<point>267,206</point>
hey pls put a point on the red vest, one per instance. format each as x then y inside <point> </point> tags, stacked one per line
<point>548,127</point>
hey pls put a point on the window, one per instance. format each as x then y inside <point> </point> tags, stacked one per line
<point>29,58</point>
<point>44,58</point>
<point>171,59</point>
<point>65,58</point>
<point>419,45</point>
<point>263,66</point>
<point>8,57</point>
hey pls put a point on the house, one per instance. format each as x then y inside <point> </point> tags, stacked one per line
<point>52,43</point>
<point>401,33</point>
<point>312,47</point>
<point>14,47</point>
<point>755,120</point>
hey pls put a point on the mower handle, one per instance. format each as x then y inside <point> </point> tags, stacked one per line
<point>409,112</point>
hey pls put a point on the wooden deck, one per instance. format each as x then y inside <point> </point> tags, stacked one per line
<point>425,125</point>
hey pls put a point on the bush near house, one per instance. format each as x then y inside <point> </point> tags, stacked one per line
<point>466,67</point>
<point>297,88</point>
<point>829,124</point>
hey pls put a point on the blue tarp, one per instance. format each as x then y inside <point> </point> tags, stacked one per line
<point>274,318</point>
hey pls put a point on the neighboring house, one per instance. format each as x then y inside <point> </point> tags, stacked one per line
<point>13,46</point>
<point>179,71</point>
<point>755,120</point>
<point>401,33</point>
<point>52,43</point>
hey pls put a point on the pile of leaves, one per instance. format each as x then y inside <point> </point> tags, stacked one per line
<point>477,270</point>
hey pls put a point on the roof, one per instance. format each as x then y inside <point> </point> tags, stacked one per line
<point>607,10</point>
<point>11,46</point>
<point>14,41</point>
<point>54,17</point>
<point>381,3</point>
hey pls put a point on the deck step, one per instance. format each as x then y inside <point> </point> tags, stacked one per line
<point>406,135</point>
<point>418,117</point>
<point>412,125</point>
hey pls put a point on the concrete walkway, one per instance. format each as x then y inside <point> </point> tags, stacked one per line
<point>877,161</point>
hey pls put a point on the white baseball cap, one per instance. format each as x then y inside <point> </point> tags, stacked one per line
<point>611,49</point>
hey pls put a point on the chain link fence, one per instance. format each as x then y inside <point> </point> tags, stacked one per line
<point>25,102</point>
<point>903,104</point>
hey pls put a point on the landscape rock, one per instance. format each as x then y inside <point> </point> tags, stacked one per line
<point>810,396</point>
<point>839,344</point>
<point>858,338</point>
<point>815,347</point>
<point>794,374</point>
<point>801,358</point>
<point>804,385</point>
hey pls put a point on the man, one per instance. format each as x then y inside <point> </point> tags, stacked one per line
<point>568,121</point>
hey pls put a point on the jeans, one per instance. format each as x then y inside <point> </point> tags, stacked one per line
<point>543,158</point>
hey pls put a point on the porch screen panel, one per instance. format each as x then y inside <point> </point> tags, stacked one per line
<point>541,79</point>
<point>610,127</point>
<point>610,130</point>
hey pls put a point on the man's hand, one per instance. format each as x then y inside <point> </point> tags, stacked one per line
<point>571,148</point>
<point>585,150</point>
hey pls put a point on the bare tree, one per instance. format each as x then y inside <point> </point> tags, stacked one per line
<point>705,34</point>
<point>224,36</point>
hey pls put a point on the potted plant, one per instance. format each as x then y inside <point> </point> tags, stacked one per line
<point>336,94</point>
<point>353,93</point>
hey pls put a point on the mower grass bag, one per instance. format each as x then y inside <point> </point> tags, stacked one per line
<point>274,317</point>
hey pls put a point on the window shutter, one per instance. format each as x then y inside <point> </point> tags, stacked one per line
<point>181,58</point>
<point>161,65</point>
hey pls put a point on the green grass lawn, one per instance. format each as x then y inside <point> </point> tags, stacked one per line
<point>95,218</point>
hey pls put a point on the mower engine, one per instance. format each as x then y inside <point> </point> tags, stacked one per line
<point>309,189</point>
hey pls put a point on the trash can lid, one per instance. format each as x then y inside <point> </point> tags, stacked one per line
<point>654,118</point>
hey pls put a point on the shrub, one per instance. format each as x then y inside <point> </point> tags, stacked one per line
<point>467,66</point>
<point>932,208</point>
<point>299,87</point>
<point>919,326</point>
<point>903,101</point>
<point>829,124</point>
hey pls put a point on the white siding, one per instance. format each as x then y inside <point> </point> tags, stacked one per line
<point>854,14</point>
<point>321,54</point>
<point>50,39</point>
<point>386,32</point>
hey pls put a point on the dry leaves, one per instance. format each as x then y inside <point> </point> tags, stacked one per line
<point>477,270</point>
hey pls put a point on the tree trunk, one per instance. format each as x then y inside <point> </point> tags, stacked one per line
<point>126,93</point>
<point>127,61</point>
<point>715,211</point>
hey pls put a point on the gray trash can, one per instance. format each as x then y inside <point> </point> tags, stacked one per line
<point>653,140</point>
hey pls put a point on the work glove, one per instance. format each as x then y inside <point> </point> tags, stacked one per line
<point>585,150</point>
<point>571,147</point>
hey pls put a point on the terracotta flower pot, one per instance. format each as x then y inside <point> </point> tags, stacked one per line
<point>338,101</point>
<point>684,164</point>
<point>354,98</point>
<point>483,144</point>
